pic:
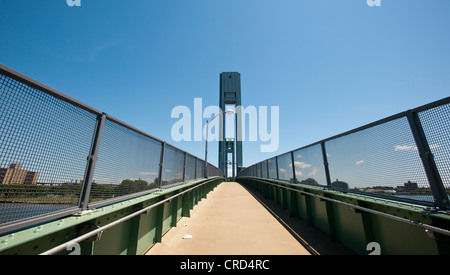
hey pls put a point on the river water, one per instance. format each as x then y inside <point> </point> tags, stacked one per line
<point>17,211</point>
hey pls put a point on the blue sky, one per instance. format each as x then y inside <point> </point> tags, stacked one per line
<point>330,65</point>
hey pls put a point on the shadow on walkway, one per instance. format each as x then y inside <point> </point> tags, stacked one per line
<point>315,241</point>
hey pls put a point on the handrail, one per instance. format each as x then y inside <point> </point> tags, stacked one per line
<point>418,224</point>
<point>119,221</point>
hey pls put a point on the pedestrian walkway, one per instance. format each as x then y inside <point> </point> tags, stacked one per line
<point>231,222</point>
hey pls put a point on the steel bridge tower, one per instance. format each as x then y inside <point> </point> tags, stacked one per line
<point>230,94</point>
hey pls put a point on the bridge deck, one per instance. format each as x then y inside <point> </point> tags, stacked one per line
<point>232,221</point>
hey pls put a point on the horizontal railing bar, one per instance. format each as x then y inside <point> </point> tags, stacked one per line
<point>120,122</point>
<point>431,105</point>
<point>387,119</point>
<point>418,224</point>
<point>36,84</point>
<point>126,125</point>
<point>119,221</point>
<point>370,125</point>
<point>131,196</point>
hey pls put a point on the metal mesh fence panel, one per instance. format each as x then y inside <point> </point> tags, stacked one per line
<point>210,170</point>
<point>46,139</point>
<point>285,167</point>
<point>217,172</point>
<point>436,125</point>
<point>265,170</point>
<point>272,168</point>
<point>190,168</point>
<point>309,167</point>
<point>244,172</point>
<point>213,171</point>
<point>44,144</point>
<point>381,160</point>
<point>200,173</point>
<point>173,166</point>
<point>258,170</point>
<point>128,162</point>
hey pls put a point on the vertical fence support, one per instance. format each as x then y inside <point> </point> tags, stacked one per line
<point>195,169</point>
<point>133,242</point>
<point>174,213</point>
<point>161,163</point>
<point>436,184</point>
<point>293,167</point>
<point>276,164</point>
<point>186,211</point>
<point>92,160</point>
<point>159,212</point>
<point>325,164</point>
<point>184,167</point>
<point>309,212</point>
<point>293,210</point>
<point>331,219</point>
<point>267,169</point>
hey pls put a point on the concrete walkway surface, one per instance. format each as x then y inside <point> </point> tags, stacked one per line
<point>231,221</point>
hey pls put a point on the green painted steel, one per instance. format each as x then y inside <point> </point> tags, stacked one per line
<point>355,228</point>
<point>132,237</point>
<point>352,227</point>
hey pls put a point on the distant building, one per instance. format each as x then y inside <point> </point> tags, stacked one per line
<point>407,187</point>
<point>16,175</point>
<point>411,185</point>
<point>339,185</point>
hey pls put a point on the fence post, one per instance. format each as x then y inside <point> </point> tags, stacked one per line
<point>184,167</point>
<point>276,163</point>
<point>436,184</point>
<point>161,162</point>
<point>325,164</point>
<point>92,159</point>
<point>195,169</point>
<point>293,167</point>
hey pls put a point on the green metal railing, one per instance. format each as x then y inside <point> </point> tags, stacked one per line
<point>125,228</point>
<point>391,187</point>
<point>59,156</point>
<point>66,168</point>
<point>403,157</point>
<point>359,221</point>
